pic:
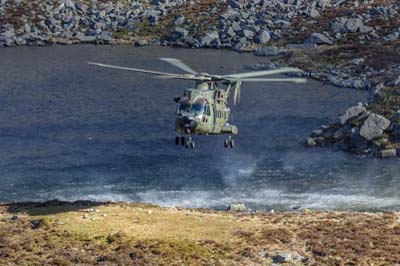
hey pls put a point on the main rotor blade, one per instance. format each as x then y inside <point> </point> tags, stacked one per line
<point>293,80</point>
<point>185,77</point>
<point>133,69</point>
<point>263,73</point>
<point>179,64</point>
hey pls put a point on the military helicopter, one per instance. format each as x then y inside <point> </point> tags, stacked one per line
<point>204,109</point>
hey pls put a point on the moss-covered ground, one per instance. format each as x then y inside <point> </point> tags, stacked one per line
<point>87,233</point>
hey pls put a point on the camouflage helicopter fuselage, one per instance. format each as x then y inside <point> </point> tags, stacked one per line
<point>204,110</point>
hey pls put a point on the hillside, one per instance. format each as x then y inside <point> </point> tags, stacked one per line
<point>90,233</point>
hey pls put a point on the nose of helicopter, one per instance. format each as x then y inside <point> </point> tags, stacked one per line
<point>187,124</point>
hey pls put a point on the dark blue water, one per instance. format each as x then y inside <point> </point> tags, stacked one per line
<point>72,131</point>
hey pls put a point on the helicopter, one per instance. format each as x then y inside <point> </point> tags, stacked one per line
<point>204,109</point>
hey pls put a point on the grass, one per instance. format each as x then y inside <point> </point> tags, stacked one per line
<point>137,234</point>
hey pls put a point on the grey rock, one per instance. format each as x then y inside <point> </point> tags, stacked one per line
<point>282,257</point>
<point>105,37</point>
<point>374,126</point>
<point>388,153</point>
<point>323,3</point>
<point>248,34</point>
<point>353,83</point>
<point>269,51</point>
<point>352,112</point>
<point>83,38</point>
<point>234,4</point>
<point>354,25</point>
<point>358,61</point>
<point>365,29</point>
<point>178,33</point>
<point>237,207</point>
<point>68,4</point>
<point>210,39</point>
<point>179,20</point>
<point>342,133</point>
<point>318,38</point>
<point>311,142</point>
<point>141,42</point>
<point>236,27</point>
<point>230,32</point>
<point>263,37</point>
<point>80,6</point>
<point>339,25</point>
<point>314,13</point>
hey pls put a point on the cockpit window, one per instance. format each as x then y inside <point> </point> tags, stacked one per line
<point>198,107</point>
<point>184,105</point>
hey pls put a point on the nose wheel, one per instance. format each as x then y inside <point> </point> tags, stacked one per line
<point>229,142</point>
<point>187,142</point>
<point>180,140</point>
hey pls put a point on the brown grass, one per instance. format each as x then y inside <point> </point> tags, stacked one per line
<point>136,234</point>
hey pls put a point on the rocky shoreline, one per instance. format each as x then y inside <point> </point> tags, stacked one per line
<point>352,44</point>
<point>119,233</point>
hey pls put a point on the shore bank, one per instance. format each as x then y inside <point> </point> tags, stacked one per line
<point>111,233</point>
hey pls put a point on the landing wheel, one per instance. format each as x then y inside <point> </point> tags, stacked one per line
<point>192,144</point>
<point>226,143</point>
<point>177,140</point>
<point>229,142</point>
<point>232,143</point>
<point>187,143</point>
<point>182,141</point>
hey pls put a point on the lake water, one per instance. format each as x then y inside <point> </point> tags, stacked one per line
<point>70,131</point>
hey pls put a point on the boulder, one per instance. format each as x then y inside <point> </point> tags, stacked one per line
<point>388,153</point>
<point>263,37</point>
<point>105,37</point>
<point>311,142</point>
<point>237,207</point>
<point>235,4</point>
<point>374,126</point>
<point>354,25</point>
<point>141,42</point>
<point>236,27</point>
<point>269,51</point>
<point>230,32</point>
<point>353,111</point>
<point>318,38</point>
<point>339,25</point>
<point>179,20</point>
<point>314,13</point>
<point>248,34</point>
<point>178,33</point>
<point>210,39</point>
<point>83,38</point>
<point>282,257</point>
